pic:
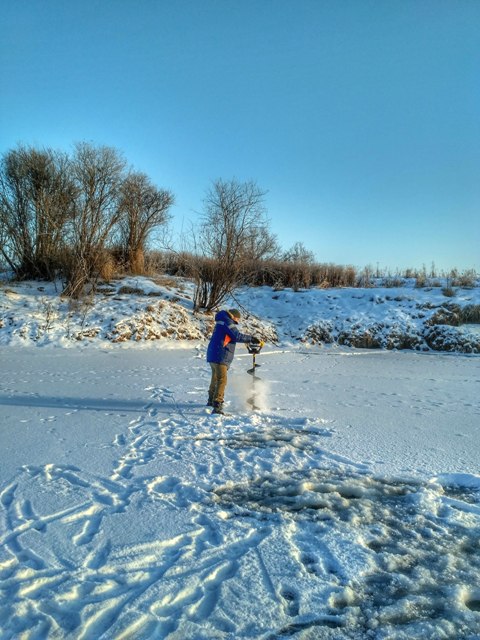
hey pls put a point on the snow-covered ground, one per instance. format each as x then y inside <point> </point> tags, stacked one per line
<point>347,507</point>
<point>141,309</point>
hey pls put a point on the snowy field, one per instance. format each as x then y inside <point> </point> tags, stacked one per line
<point>347,507</point>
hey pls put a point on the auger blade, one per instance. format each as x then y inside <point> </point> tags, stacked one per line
<point>252,372</point>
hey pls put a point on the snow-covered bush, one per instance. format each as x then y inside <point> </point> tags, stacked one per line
<point>321,332</point>
<point>447,338</point>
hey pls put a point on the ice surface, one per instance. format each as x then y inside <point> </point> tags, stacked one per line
<point>348,508</point>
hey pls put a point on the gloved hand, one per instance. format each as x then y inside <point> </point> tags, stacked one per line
<point>256,341</point>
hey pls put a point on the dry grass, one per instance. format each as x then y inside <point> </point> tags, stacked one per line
<point>131,291</point>
<point>471,314</point>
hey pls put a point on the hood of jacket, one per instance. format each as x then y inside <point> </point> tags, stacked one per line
<point>224,316</point>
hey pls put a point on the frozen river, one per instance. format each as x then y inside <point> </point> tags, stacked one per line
<point>348,507</point>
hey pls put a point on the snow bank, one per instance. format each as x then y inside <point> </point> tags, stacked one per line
<point>142,309</point>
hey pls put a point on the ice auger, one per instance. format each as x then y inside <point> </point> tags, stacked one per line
<point>254,349</point>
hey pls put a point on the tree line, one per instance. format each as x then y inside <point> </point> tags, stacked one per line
<point>85,216</point>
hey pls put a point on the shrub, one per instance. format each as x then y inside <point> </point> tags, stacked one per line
<point>393,282</point>
<point>421,281</point>
<point>322,332</point>
<point>450,339</point>
<point>450,314</point>
<point>449,292</point>
<point>131,290</point>
<point>466,280</point>
<point>470,314</point>
<point>107,268</point>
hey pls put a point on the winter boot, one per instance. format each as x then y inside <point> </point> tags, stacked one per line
<point>218,408</point>
<point>210,402</point>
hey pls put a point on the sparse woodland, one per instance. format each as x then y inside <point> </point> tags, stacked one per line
<point>87,217</point>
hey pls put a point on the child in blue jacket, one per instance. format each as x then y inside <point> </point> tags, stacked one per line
<point>220,352</point>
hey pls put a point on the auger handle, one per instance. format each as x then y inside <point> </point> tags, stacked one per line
<point>254,348</point>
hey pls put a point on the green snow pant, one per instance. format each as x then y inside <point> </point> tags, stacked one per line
<point>218,383</point>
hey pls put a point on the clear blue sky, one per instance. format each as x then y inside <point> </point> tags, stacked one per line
<point>360,118</point>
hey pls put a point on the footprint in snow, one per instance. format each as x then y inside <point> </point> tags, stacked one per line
<point>290,598</point>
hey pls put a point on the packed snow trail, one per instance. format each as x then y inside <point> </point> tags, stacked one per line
<point>250,526</point>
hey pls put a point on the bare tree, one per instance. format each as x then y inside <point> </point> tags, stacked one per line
<point>233,229</point>
<point>145,208</point>
<point>299,265</point>
<point>299,254</point>
<point>36,202</point>
<point>97,173</point>
<point>261,244</point>
<point>4,238</point>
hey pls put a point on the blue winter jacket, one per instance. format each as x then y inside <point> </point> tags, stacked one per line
<point>221,348</point>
